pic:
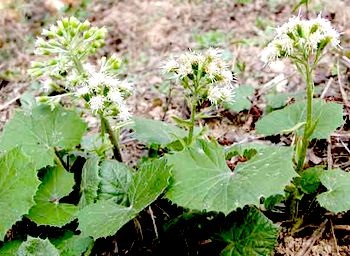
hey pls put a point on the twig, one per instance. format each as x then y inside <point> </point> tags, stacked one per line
<point>325,90</point>
<point>342,227</point>
<point>335,239</point>
<point>329,154</point>
<point>344,145</point>
<point>153,221</point>
<point>346,61</point>
<point>342,91</point>
<point>10,102</point>
<point>311,241</point>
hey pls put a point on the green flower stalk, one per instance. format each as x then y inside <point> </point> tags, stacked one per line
<point>304,43</point>
<point>204,76</point>
<point>65,48</point>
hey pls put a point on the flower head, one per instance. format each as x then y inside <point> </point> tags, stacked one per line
<point>203,73</point>
<point>298,38</point>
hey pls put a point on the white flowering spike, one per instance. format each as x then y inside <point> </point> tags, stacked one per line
<point>221,93</point>
<point>97,103</point>
<point>298,38</point>
<point>205,75</point>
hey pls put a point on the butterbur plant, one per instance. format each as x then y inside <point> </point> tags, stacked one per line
<point>58,178</point>
<point>304,43</point>
<point>204,76</point>
<point>42,152</point>
<point>65,67</point>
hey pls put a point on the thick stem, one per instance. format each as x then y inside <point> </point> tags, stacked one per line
<point>116,151</point>
<point>309,123</point>
<point>192,120</point>
<point>105,125</point>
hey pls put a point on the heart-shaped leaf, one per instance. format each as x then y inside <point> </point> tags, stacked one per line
<point>329,117</point>
<point>40,131</point>
<point>48,210</point>
<point>105,218</point>
<point>336,199</point>
<point>203,181</point>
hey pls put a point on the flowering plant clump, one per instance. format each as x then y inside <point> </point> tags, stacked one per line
<point>204,75</point>
<point>71,42</point>
<point>300,38</point>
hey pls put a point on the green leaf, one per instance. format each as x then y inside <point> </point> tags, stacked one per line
<point>10,248</point>
<point>18,185</point>
<point>38,132</point>
<point>336,199</point>
<point>72,245</point>
<point>310,179</point>
<point>254,235</point>
<point>203,181</point>
<point>90,181</point>
<point>241,101</point>
<point>105,218</point>
<point>37,247</point>
<point>115,181</point>
<point>329,117</point>
<point>149,182</point>
<point>56,184</point>
<point>156,132</point>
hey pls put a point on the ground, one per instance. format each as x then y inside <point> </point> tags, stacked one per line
<point>146,32</point>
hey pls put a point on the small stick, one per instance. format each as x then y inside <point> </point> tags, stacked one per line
<point>335,239</point>
<point>10,102</point>
<point>342,227</point>
<point>342,91</point>
<point>326,88</point>
<point>344,145</point>
<point>153,221</point>
<point>311,241</point>
<point>329,154</point>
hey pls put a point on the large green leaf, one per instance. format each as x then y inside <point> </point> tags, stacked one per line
<point>329,117</point>
<point>156,132</point>
<point>255,235</point>
<point>37,247</point>
<point>56,184</point>
<point>10,248</point>
<point>18,185</point>
<point>105,218</point>
<point>336,199</point>
<point>72,245</point>
<point>241,101</point>
<point>115,181</point>
<point>40,131</point>
<point>203,181</point>
<point>148,183</point>
<point>90,181</point>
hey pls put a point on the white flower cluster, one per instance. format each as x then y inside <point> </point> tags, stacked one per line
<point>298,37</point>
<point>104,92</point>
<point>204,73</point>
